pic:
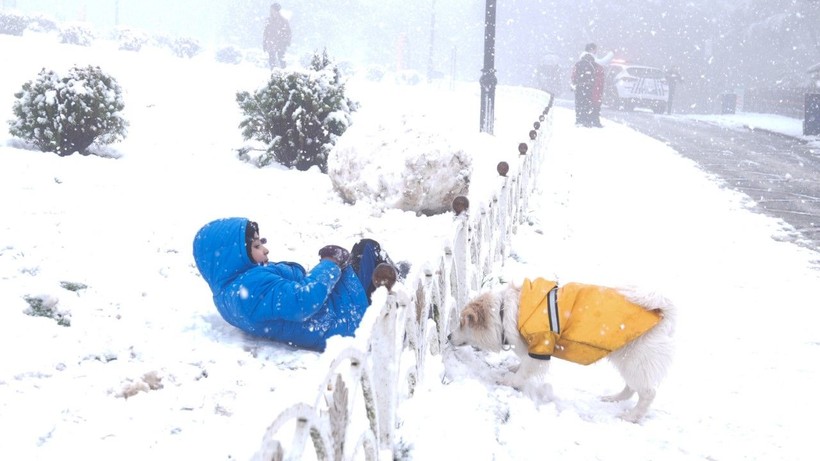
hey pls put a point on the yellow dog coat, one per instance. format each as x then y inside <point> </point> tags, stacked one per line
<point>577,322</point>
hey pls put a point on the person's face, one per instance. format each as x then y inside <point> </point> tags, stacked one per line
<point>258,251</point>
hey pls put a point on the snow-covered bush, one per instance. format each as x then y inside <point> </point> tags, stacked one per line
<point>375,73</point>
<point>67,114</point>
<point>409,77</point>
<point>46,306</point>
<point>298,115</point>
<point>162,41</point>
<point>229,55</point>
<point>76,33</point>
<point>182,47</point>
<point>186,47</point>
<point>130,39</point>
<point>40,23</point>
<point>13,23</point>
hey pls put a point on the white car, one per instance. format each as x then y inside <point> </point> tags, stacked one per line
<point>629,86</point>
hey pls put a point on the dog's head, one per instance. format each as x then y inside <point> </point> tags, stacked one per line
<point>479,324</point>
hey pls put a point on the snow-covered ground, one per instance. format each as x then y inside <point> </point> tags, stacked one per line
<point>147,368</point>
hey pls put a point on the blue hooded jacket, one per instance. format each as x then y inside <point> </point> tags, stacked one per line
<point>279,301</point>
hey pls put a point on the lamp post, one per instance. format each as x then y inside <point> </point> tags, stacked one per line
<point>488,79</point>
<point>432,41</point>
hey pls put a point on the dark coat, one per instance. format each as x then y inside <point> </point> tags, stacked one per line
<point>277,34</point>
<point>584,75</point>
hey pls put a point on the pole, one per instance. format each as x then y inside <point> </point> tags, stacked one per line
<point>488,79</point>
<point>432,41</point>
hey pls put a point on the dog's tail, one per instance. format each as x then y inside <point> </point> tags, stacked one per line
<point>654,301</point>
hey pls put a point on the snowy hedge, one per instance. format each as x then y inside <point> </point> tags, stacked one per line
<point>67,114</point>
<point>76,33</point>
<point>186,47</point>
<point>229,55</point>
<point>129,39</point>
<point>298,116</point>
<point>13,23</point>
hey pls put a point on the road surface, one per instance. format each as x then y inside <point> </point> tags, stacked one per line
<point>780,173</point>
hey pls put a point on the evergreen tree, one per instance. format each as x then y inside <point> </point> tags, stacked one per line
<point>298,114</point>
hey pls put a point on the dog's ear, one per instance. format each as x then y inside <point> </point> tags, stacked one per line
<point>473,316</point>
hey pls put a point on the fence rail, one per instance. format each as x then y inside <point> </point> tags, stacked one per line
<point>353,415</point>
<point>781,101</point>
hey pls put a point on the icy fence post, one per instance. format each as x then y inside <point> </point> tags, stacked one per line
<point>353,413</point>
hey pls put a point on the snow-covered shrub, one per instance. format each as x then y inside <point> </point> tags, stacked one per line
<point>73,286</point>
<point>40,23</point>
<point>162,41</point>
<point>76,33</point>
<point>67,114</point>
<point>130,39</point>
<point>186,47</point>
<point>183,47</point>
<point>409,77</point>
<point>375,73</point>
<point>46,306</point>
<point>298,115</point>
<point>397,164</point>
<point>13,23</point>
<point>229,55</point>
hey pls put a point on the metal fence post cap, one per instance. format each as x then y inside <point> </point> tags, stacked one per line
<point>460,204</point>
<point>522,148</point>
<point>503,168</point>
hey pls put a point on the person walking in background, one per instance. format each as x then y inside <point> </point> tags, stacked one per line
<point>583,83</point>
<point>672,79</point>
<point>277,37</point>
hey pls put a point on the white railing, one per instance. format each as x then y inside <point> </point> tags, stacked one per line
<point>353,414</point>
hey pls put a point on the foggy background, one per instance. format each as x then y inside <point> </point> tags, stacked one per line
<point>719,45</point>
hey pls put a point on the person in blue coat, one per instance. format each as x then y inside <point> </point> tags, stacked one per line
<point>282,301</point>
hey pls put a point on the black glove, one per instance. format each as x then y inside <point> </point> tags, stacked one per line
<point>336,254</point>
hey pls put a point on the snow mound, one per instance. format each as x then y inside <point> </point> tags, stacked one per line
<point>402,164</point>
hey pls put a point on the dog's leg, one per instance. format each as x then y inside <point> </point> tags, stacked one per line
<point>625,394</point>
<point>645,398</point>
<point>529,380</point>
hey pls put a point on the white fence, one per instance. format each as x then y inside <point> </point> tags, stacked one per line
<point>353,415</point>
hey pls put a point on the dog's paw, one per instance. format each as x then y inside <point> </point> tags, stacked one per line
<point>511,380</point>
<point>633,416</point>
<point>541,393</point>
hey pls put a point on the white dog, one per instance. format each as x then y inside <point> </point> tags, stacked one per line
<point>580,323</point>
